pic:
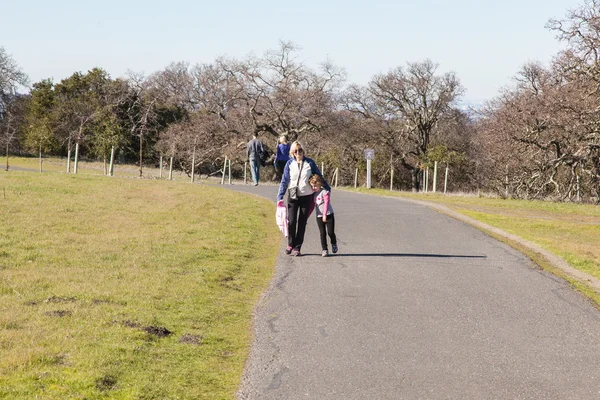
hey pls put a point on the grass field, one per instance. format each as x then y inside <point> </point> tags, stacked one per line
<point>54,164</point>
<point>127,288</point>
<point>571,231</point>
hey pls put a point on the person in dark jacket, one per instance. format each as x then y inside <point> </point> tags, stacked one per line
<point>255,150</point>
<point>296,175</point>
<point>282,156</point>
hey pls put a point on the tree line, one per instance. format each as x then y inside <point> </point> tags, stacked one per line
<point>537,139</point>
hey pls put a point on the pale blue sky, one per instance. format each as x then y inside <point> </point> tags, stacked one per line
<point>485,42</point>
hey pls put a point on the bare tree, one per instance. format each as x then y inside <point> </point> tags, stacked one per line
<point>542,136</point>
<point>11,77</point>
<point>271,95</point>
<point>145,97</point>
<point>210,126</point>
<point>195,142</point>
<point>581,32</point>
<point>407,103</point>
<point>579,66</point>
<point>283,96</point>
<point>12,122</point>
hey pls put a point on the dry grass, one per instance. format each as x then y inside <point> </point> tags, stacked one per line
<point>54,164</point>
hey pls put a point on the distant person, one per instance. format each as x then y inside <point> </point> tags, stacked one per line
<point>325,217</point>
<point>256,151</point>
<point>294,183</point>
<point>282,156</point>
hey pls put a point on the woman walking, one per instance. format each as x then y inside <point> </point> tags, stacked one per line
<point>282,156</point>
<point>294,182</point>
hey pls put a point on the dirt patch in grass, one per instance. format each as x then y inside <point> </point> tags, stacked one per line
<point>158,331</point>
<point>59,313</point>
<point>105,301</point>
<point>130,324</point>
<point>191,339</point>
<point>58,359</point>
<point>106,383</point>
<point>60,299</point>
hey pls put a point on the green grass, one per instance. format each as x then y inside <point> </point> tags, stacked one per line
<point>94,270</point>
<point>571,231</point>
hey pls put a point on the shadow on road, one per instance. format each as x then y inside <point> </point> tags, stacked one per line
<point>400,255</point>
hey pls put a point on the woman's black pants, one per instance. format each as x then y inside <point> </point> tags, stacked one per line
<point>297,219</point>
<point>279,168</point>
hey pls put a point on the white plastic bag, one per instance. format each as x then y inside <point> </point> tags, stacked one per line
<point>281,218</point>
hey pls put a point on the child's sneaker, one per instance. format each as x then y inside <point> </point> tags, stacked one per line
<point>288,250</point>
<point>324,253</point>
<point>296,253</point>
<point>334,248</point>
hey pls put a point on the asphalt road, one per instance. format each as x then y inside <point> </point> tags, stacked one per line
<point>417,305</point>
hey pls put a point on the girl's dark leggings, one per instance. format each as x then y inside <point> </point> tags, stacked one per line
<point>330,225</point>
<point>297,219</point>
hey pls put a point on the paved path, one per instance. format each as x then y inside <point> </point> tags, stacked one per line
<point>417,305</point>
<point>11,168</point>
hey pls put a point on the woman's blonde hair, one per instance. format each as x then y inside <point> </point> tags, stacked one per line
<point>294,146</point>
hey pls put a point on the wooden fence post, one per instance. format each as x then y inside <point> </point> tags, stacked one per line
<point>223,172</point>
<point>193,162</point>
<point>230,172</point>
<point>337,172</point>
<point>76,157</point>
<point>434,176</point>
<point>446,179</point>
<point>160,168</point>
<point>111,166</point>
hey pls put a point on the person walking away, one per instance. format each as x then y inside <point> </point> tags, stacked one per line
<point>294,182</point>
<point>255,150</point>
<point>325,217</point>
<point>282,156</point>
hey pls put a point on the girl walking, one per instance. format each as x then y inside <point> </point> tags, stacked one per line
<point>325,217</point>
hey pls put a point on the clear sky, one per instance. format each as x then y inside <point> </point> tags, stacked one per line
<point>484,41</point>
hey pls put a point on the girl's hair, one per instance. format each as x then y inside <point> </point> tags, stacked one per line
<point>294,146</point>
<point>316,180</point>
